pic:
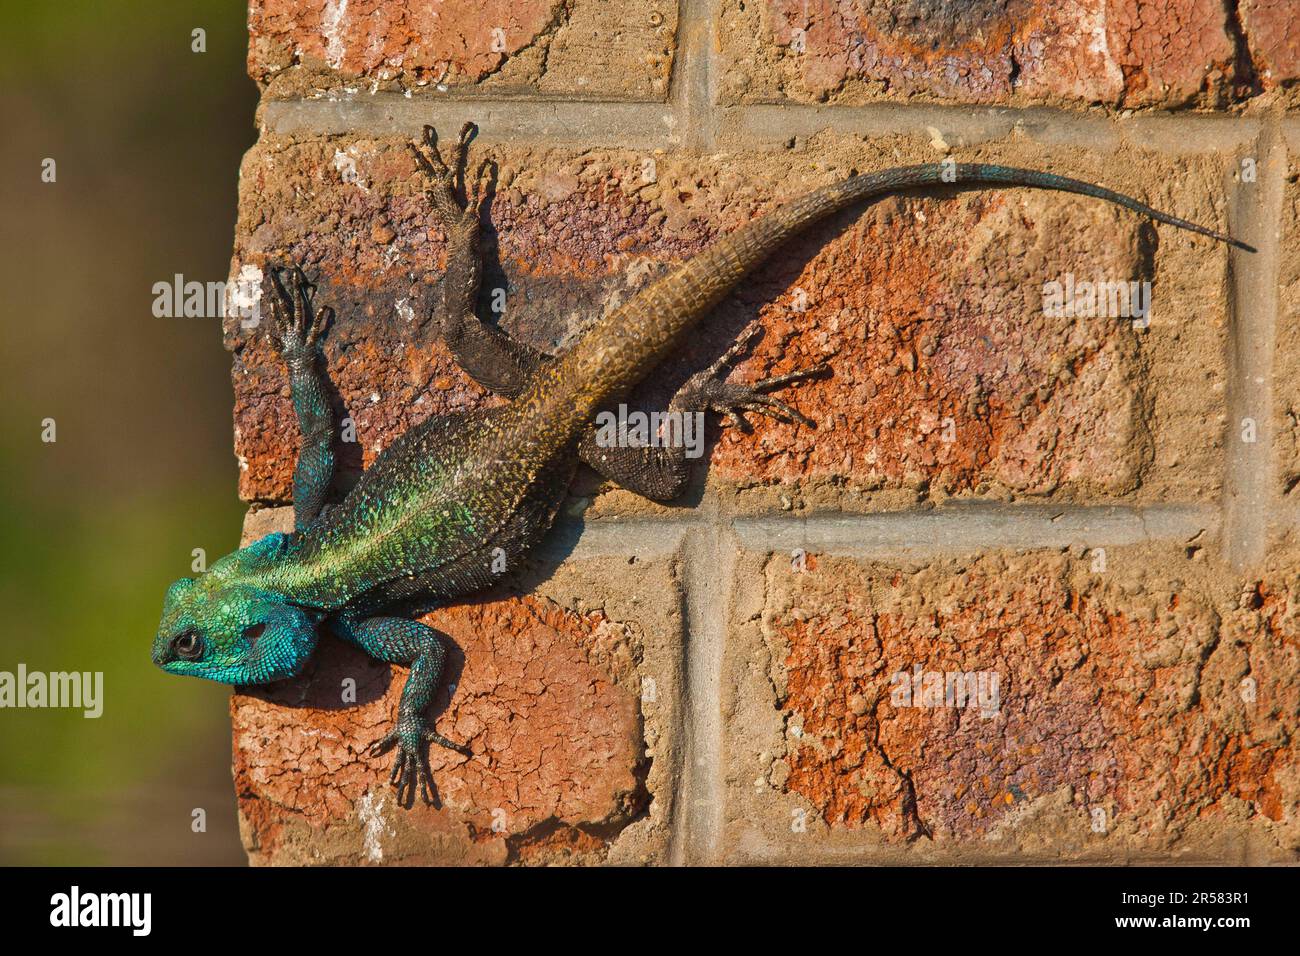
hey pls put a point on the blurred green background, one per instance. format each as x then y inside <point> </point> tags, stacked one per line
<point>147,136</point>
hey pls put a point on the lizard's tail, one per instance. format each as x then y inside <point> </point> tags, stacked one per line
<point>614,353</point>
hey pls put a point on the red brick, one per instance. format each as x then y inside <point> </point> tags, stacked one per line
<point>1273,32</point>
<point>1170,50</point>
<point>1120,691</point>
<point>568,47</point>
<point>562,247</point>
<point>934,311</point>
<point>928,310</point>
<point>1119,52</point>
<point>547,699</point>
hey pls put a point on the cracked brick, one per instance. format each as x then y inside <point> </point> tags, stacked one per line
<point>1146,708</point>
<point>1135,53</point>
<point>572,48</point>
<point>1273,35</point>
<point>547,699</point>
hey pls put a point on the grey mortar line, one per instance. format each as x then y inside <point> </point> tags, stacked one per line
<point>707,565</point>
<point>691,92</point>
<point>689,119</point>
<point>708,572</point>
<point>977,527</point>
<point>607,538</point>
<point>945,529</point>
<point>643,126</point>
<point>761,124</point>
<point>1255,215</point>
<point>764,851</point>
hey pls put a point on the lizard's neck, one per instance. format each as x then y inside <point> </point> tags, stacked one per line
<point>319,578</point>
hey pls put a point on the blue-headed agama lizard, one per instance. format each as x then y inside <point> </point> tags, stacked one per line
<point>429,516</point>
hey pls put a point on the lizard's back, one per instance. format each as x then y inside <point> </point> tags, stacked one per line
<point>430,514</point>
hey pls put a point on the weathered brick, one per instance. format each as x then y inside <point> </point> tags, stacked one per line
<point>1273,33</point>
<point>1118,52</point>
<point>1142,712</point>
<point>947,376</point>
<point>549,699</point>
<point>571,48</point>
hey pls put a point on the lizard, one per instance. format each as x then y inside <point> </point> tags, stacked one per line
<point>431,517</point>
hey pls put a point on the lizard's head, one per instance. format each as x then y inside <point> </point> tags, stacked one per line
<point>222,627</point>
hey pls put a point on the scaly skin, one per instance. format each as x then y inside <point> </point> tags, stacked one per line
<point>440,508</point>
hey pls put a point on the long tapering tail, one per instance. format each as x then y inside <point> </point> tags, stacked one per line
<point>614,353</point>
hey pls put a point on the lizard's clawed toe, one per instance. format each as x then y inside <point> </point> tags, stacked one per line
<point>383,745</point>
<point>713,392</point>
<point>448,177</point>
<point>433,737</point>
<point>297,324</point>
<point>410,771</point>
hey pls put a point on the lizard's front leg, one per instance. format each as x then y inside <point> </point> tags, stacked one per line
<point>398,640</point>
<point>297,329</point>
<point>660,472</point>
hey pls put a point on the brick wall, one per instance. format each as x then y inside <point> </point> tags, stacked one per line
<point>1098,517</point>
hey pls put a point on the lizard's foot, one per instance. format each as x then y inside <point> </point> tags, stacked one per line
<point>448,182</point>
<point>298,326</point>
<point>709,390</point>
<point>411,765</point>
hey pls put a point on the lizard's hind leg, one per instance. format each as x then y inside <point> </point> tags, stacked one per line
<point>660,472</point>
<point>488,355</point>
<point>710,391</point>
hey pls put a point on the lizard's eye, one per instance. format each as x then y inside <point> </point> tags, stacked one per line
<point>188,646</point>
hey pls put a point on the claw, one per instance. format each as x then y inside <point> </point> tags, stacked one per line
<point>434,160</point>
<point>296,325</point>
<point>738,420</point>
<point>767,405</point>
<point>432,736</point>
<point>422,158</point>
<point>466,132</point>
<point>798,375</point>
<point>381,746</point>
<point>281,302</point>
<point>395,778</point>
<point>741,345</point>
<point>426,780</point>
<point>474,198</point>
<point>411,764</point>
<point>411,773</point>
<point>449,179</point>
<point>319,324</point>
<point>300,287</point>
